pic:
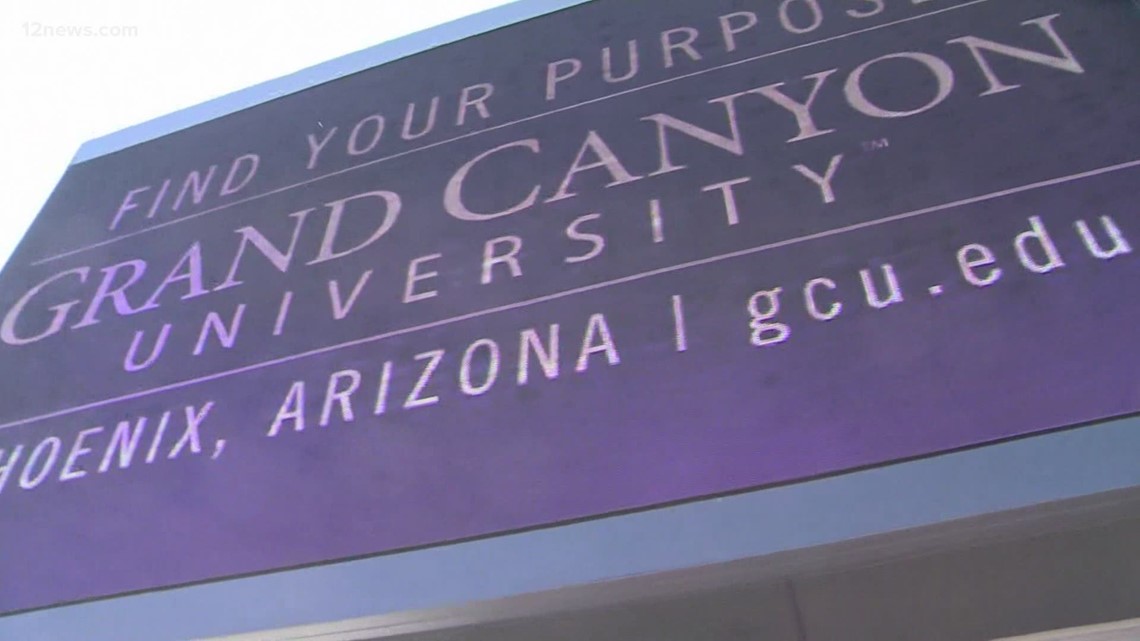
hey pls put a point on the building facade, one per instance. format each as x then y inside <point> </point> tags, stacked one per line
<point>809,319</point>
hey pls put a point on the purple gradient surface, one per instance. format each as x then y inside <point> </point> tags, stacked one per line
<point>657,418</point>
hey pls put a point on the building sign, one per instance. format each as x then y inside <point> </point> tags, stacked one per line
<point>625,254</point>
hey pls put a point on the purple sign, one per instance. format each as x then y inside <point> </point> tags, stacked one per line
<point>625,254</point>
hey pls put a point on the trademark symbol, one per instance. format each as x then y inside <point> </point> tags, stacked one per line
<point>876,145</point>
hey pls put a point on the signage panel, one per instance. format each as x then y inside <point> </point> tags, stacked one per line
<point>626,254</point>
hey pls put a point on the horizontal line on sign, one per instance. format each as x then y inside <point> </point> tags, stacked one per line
<point>504,125</point>
<point>579,290</point>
